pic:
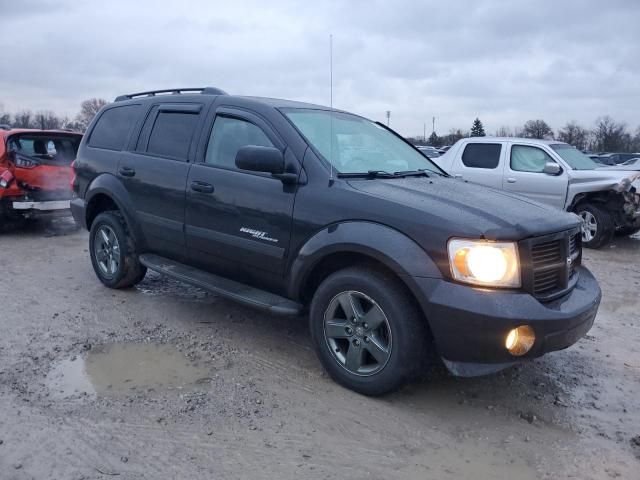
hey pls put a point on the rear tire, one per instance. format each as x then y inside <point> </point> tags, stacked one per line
<point>385,347</point>
<point>113,252</point>
<point>597,225</point>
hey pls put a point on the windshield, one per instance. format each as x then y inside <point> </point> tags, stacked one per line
<point>574,157</point>
<point>359,145</point>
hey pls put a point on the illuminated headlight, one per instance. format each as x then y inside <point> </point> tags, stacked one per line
<point>484,263</point>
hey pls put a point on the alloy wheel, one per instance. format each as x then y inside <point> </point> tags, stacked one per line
<point>589,226</point>
<point>107,251</point>
<point>357,332</point>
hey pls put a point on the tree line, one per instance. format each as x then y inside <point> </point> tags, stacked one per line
<point>607,135</point>
<point>48,120</point>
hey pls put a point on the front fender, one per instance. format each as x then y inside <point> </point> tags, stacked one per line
<point>384,244</point>
<point>109,185</point>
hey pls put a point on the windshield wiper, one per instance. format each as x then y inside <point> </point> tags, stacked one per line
<point>368,174</point>
<point>411,173</point>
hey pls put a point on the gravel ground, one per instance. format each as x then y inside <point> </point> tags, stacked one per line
<point>228,392</point>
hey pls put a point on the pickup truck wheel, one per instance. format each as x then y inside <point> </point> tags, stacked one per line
<point>367,331</point>
<point>597,225</point>
<point>113,252</point>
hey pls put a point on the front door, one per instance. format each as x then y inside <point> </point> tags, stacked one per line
<point>238,223</point>
<point>524,175</point>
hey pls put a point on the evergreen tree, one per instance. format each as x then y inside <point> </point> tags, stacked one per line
<point>434,140</point>
<point>477,130</point>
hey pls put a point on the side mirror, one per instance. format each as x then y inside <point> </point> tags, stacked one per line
<point>551,168</point>
<point>260,159</point>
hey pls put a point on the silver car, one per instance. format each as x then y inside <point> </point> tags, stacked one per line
<point>606,198</point>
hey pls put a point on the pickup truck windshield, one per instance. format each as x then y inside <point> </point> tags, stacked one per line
<point>574,157</point>
<point>359,145</point>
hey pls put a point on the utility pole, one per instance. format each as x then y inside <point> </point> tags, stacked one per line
<point>433,123</point>
<point>424,132</point>
<point>388,116</point>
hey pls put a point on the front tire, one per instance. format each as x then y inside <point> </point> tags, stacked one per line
<point>597,225</point>
<point>113,252</point>
<point>367,331</point>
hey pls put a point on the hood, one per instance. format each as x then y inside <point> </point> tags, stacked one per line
<point>465,209</point>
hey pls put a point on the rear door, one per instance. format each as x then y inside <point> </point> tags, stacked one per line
<point>480,163</point>
<point>238,223</point>
<point>155,174</point>
<point>524,175</point>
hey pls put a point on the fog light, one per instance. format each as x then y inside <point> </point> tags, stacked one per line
<point>520,340</point>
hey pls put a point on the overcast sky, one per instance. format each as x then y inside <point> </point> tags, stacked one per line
<point>504,61</point>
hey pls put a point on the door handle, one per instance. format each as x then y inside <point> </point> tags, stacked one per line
<point>511,180</point>
<point>127,171</point>
<point>201,187</point>
<point>457,175</point>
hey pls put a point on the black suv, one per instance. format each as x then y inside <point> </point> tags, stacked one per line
<point>292,207</point>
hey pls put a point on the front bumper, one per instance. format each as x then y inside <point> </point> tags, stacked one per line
<point>470,325</point>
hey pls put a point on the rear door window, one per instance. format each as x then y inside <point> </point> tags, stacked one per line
<point>525,158</point>
<point>481,155</point>
<point>113,127</point>
<point>171,134</point>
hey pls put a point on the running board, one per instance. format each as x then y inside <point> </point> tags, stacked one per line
<point>222,286</point>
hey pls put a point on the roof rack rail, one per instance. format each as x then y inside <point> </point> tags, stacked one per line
<point>4,126</point>
<point>173,91</point>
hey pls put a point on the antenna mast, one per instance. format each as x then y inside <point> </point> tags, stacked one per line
<point>331,107</point>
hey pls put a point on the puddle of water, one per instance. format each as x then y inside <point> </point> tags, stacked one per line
<point>123,368</point>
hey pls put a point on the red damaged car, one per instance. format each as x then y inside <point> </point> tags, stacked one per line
<point>35,172</point>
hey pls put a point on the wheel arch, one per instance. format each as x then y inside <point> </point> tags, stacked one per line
<point>347,244</point>
<point>106,193</point>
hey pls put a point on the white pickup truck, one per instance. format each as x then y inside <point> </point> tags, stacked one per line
<point>606,198</point>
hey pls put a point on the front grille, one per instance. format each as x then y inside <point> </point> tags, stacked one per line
<point>552,261</point>
<point>547,265</point>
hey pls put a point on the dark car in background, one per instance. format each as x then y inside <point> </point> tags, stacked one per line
<point>616,158</point>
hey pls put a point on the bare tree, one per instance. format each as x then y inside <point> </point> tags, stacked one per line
<point>24,119</point>
<point>504,131</point>
<point>88,110</point>
<point>635,144</point>
<point>574,134</point>
<point>537,129</point>
<point>5,117</point>
<point>453,136</point>
<point>47,120</point>
<point>610,136</point>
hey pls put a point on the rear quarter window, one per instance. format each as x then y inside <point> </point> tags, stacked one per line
<point>481,155</point>
<point>113,127</point>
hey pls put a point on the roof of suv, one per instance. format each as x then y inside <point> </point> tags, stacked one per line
<point>512,139</point>
<point>191,94</point>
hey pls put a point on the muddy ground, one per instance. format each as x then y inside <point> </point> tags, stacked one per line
<point>167,381</point>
